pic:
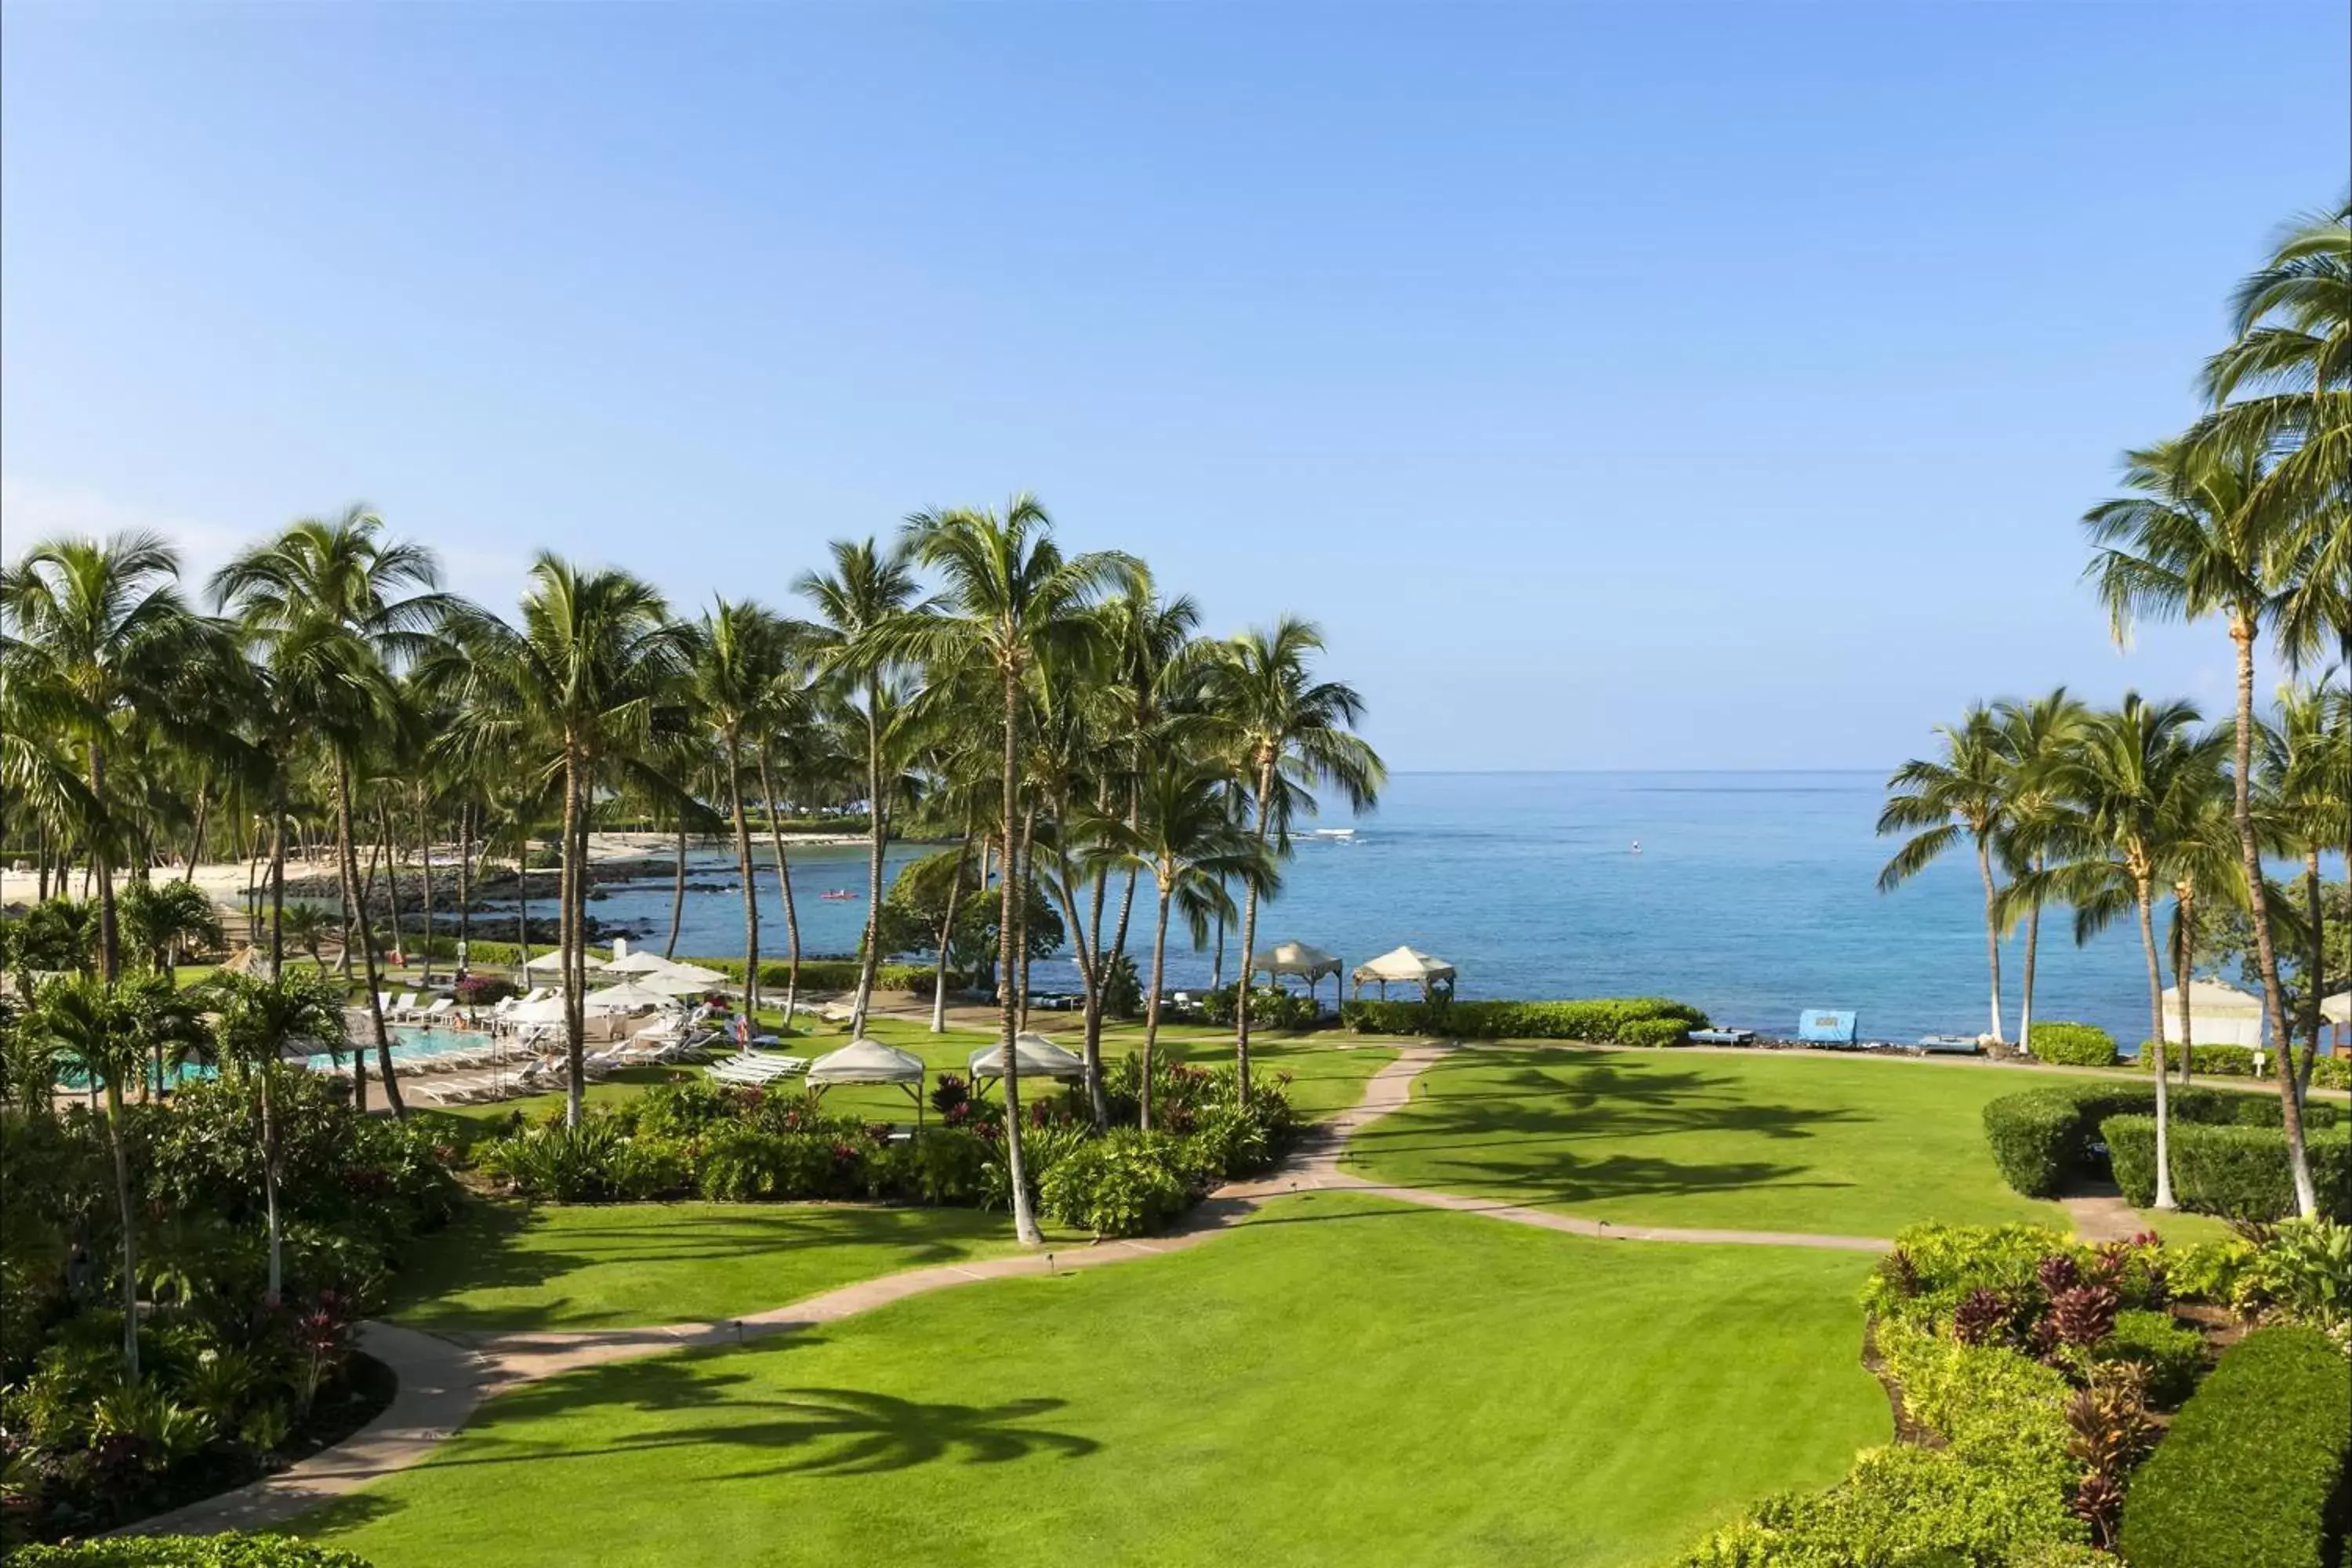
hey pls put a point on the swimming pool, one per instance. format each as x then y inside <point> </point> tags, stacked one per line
<point>412,1044</point>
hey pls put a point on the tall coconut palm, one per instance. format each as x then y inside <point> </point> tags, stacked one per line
<point>1013,601</point>
<point>161,920</point>
<point>255,1024</point>
<point>1184,837</point>
<point>869,587</point>
<point>586,687</point>
<point>1962,796</point>
<point>2304,788</point>
<point>99,630</point>
<point>2136,779</point>
<point>2195,538</point>
<point>2033,735</point>
<point>1284,731</point>
<point>337,609</point>
<point>735,655</point>
<point>2199,861</point>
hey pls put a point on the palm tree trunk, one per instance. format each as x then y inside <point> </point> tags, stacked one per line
<point>110,933</point>
<point>41,861</point>
<point>793,916</point>
<point>869,955</point>
<point>1091,975</point>
<point>743,872</point>
<point>2306,1195</point>
<point>1992,932</point>
<point>425,850</point>
<point>390,871</point>
<point>2156,1012</point>
<point>1151,1000</point>
<point>576,963</point>
<point>567,928</point>
<point>2032,951</point>
<point>1249,937</point>
<point>278,878</point>
<point>947,933</point>
<point>522,914</point>
<point>2315,979</point>
<point>367,956</point>
<point>1217,964</point>
<point>1027,866</point>
<point>2181,965</point>
<point>677,890</point>
<point>465,884</point>
<point>276,1287</point>
<point>204,810</point>
<point>130,1234</point>
<point>1024,1222</point>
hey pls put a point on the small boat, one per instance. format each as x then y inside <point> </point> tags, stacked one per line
<point>1333,833</point>
<point>837,895</point>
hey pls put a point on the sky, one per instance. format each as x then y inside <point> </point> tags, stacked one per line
<point>1668,386</point>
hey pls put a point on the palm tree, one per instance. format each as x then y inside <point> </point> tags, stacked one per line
<point>736,657</point>
<point>2304,784</point>
<point>1964,794</point>
<point>2133,779</point>
<point>2196,538</point>
<point>869,589</point>
<point>587,687</point>
<point>2283,389</point>
<point>102,635</point>
<point>104,1032</point>
<point>2033,735</point>
<point>1284,731</point>
<point>255,1022</point>
<point>1013,601</point>
<point>307,926</point>
<point>1185,838</point>
<point>2201,861</point>
<point>336,609</point>
<point>161,918</point>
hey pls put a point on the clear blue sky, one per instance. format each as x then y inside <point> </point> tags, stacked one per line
<point>1620,386</point>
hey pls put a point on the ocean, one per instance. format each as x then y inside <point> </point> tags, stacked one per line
<point>1753,895</point>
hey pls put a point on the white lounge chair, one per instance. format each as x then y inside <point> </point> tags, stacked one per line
<point>757,1068</point>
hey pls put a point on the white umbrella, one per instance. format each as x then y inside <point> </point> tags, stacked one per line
<point>673,983</point>
<point>629,996</point>
<point>696,972</point>
<point>555,961</point>
<point>638,961</point>
<point>547,1011</point>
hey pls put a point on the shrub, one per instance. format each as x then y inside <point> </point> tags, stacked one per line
<point>2235,1170</point>
<point>229,1550</point>
<point>2303,1273</point>
<point>645,1168</point>
<point>1271,1007</point>
<point>2331,1072</point>
<point>1934,1267</point>
<point>1907,1507</point>
<point>2213,1061</point>
<point>2173,1354</point>
<point>1652,1032</point>
<point>1122,1183</point>
<point>2042,1138</point>
<point>941,1165</point>
<point>2073,1045</point>
<point>567,1164</point>
<point>483,990</point>
<point>2247,1474</point>
<point>1596,1021</point>
<point>1995,1406</point>
<point>2207,1270</point>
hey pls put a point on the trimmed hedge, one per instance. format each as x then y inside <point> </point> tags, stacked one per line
<point>2215,1061</point>
<point>2073,1045</point>
<point>229,1550</point>
<point>2253,1463</point>
<point>1600,1021</point>
<point>2042,1138</point>
<point>2236,1170</point>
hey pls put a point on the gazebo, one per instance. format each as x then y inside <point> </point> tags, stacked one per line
<point>1034,1054</point>
<point>2335,1012</point>
<point>2219,1014</point>
<point>1296,958</point>
<point>1405,965</point>
<point>865,1060</point>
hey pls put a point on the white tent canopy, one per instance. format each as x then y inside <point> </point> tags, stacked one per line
<point>2219,1014</point>
<point>635,960</point>
<point>1405,965</point>
<point>694,974</point>
<point>866,1060</point>
<point>1034,1054</point>
<point>628,995</point>
<point>1294,958</point>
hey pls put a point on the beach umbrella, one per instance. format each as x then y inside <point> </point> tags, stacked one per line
<point>1403,966</point>
<point>555,961</point>
<point>549,1010</point>
<point>691,980</point>
<point>637,961</point>
<point>695,972</point>
<point>628,995</point>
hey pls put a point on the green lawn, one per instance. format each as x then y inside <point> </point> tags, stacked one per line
<point>1342,1381</point>
<point>506,1266</point>
<point>1756,1141</point>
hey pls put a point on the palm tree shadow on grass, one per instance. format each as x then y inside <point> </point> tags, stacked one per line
<point>1523,1134</point>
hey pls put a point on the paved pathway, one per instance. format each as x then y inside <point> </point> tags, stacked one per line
<point>442,1381</point>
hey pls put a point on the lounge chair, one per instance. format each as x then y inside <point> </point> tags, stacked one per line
<point>385,1003</point>
<point>406,1004</point>
<point>435,1009</point>
<point>756,1067</point>
<point>1721,1036</point>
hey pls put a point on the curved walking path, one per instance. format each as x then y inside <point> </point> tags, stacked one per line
<point>443,1380</point>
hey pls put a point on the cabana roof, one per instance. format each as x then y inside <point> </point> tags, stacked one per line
<point>1034,1054</point>
<point>1294,958</point>
<point>1404,965</point>
<point>865,1060</point>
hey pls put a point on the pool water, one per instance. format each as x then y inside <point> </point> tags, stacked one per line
<point>414,1044</point>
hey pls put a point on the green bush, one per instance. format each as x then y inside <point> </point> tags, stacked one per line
<point>2042,1138</point>
<point>1122,1183</point>
<point>1907,1507</point>
<point>2302,1273</point>
<point>941,1165</point>
<point>229,1550</point>
<point>2212,1061</point>
<point>2173,1353</point>
<point>1598,1021</point>
<point>1993,1405</point>
<point>1652,1032</point>
<point>2248,1472</point>
<point>2073,1045</point>
<point>2331,1072</point>
<point>2236,1170</point>
<point>1933,1267</point>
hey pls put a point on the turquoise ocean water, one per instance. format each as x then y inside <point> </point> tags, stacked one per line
<point>1753,895</point>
